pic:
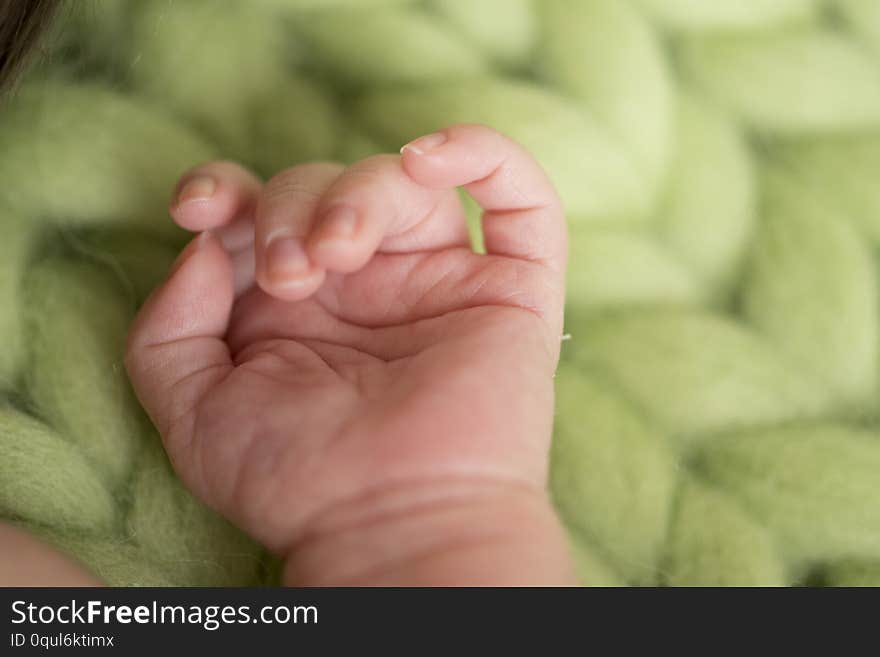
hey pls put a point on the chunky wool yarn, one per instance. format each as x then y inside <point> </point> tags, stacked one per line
<point>718,419</point>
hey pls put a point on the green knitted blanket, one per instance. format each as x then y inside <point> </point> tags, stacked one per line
<point>718,409</point>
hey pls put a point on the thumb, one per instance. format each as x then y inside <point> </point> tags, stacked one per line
<point>176,349</point>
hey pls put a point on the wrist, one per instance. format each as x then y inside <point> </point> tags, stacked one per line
<point>462,534</point>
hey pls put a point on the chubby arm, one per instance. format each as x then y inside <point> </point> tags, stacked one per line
<point>478,537</point>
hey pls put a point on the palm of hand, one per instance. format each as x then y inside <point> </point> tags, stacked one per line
<point>333,398</point>
<point>406,363</point>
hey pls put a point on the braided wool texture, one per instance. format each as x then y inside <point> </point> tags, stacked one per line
<point>718,419</point>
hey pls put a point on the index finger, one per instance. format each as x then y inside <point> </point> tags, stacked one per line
<point>522,213</point>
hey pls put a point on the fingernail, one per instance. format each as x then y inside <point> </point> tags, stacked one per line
<point>200,188</point>
<point>339,224</point>
<point>425,144</point>
<point>188,250</point>
<point>286,258</point>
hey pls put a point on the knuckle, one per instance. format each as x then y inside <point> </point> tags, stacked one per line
<point>302,180</point>
<point>300,175</point>
<point>373,168</point>
<point>374,177</point>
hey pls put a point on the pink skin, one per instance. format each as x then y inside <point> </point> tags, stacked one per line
<point>332,368</point>
<point>27,561</point>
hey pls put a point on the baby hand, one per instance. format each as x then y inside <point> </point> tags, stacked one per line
<point>332,367</point>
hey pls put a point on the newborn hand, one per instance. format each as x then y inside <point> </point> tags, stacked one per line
<point>334,369</point>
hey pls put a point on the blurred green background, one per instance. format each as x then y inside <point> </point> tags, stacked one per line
<point>717,418</point>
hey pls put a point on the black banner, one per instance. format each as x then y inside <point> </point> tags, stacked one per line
<point>135,621</point>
